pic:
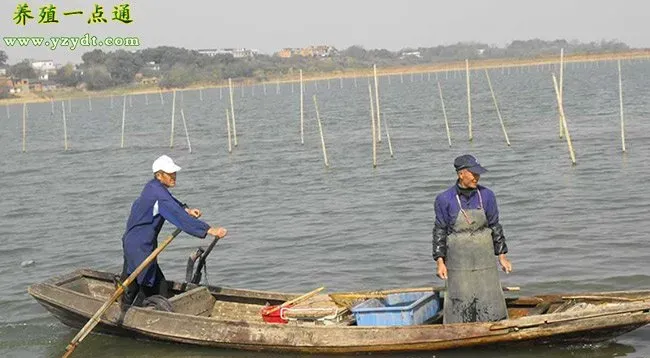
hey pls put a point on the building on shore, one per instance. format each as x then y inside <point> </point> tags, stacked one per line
<point>310,51</point>
<point>234,52</point>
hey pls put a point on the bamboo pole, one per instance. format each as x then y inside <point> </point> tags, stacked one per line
<point>52,104</point>
<point>320,129</point>
<point>390,144</point>
<point>302,119</point>
<point>277,87</point>
<point>131,100</point>
<point>561,90</point>
<point>292,87</point>
<point>232,113</point>
<point>496,105</point>
<point>90,104</point>
<point>24,127</point>
<point>171,137</point>
<point>469,101</point>
<point>389,80</point>
<point>7,110</point>
<point>378,113</point>
<point>65,128</point>
<point>162,101</point>
<point>444,112</point>
<point>341,82</point>
<point>372,126</point>
<point>264,88</point>
<point>228,130</point>
<point>200,94</point>
<point>146,99</point>
<point>187,134</point>
<point>564,123</point>
<point>355,82</point>
<point>123,120</point>
<point>620,99</point>
<point>220,93</point>
<point>401,77</point>
<point>328,84</point>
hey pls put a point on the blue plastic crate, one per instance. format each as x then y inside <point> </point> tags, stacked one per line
<point>397,309</point>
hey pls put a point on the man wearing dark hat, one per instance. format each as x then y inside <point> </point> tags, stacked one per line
<point>466,237</point>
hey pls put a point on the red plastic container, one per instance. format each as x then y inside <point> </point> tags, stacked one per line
<point>273,317</point>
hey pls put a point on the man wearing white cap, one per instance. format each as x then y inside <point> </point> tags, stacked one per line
<point>148,214</point>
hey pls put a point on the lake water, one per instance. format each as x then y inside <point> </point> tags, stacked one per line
<point>295,225</point>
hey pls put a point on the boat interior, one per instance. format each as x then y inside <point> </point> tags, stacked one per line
<point>319,309</point>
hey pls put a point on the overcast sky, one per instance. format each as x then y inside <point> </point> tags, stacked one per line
<point>269,25</point>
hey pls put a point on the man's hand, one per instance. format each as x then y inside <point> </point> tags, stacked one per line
<point>442,268</point>
<point>194,212</point>
<point>218,232</point>
<point>506,266</point>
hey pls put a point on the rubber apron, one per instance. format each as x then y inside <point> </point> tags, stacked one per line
<point>474,291</point>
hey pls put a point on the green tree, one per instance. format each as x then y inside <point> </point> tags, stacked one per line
<point>67,76</point>
<point>97,78</point>
<point>23,69</point>
<point>3,58</point>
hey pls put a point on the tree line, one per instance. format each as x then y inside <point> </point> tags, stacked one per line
<point>179,67</point>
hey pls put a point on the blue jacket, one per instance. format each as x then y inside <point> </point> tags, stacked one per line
<point>447,210</point>
<point>148,214</point>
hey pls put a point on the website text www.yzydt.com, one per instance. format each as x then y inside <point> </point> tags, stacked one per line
<point>70,42</point>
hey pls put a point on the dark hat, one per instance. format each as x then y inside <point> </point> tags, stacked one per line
<point>470,163</point>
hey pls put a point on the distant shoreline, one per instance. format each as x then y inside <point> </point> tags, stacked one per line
<point>65,94</point>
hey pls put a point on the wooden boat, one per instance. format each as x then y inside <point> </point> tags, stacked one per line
<point>230,318</point>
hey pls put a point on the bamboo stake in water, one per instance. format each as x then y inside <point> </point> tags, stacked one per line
<point>469,101</point>
<point>264,88</point>
<point>228,130</point>
<point>302,118</point>
<point>232,113</point>
<point>620,99</point>
<point>292,87</point>
<point>24,127</point>
<point>171,136</point>
<point>90,104</point>
<point>444,112</point>
<point>564,123</point>
<point>496,105</point>
<point>220,93</point>
<point>65,127</point>
<point>390,144</point>
<point>374,67</point>
<point>277,87</point>
<point>341,82</point>
<point>7,109</point>
<point>372,126</point>
<point>52,104</point>
<point>355,82</point>
<point>146,99</point>
<point>561,89</point>
<point>320,129</point>
<point>200,94</point>
<point>162,101</point>
<point>124,120</point>
<point>187,134</point>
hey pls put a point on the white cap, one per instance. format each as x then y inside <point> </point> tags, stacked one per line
<point>166,164</point>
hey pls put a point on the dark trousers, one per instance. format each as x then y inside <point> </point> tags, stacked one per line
<point>135,293</point>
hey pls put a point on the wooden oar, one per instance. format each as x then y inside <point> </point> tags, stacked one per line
<point>120,290</point>
<point>296,300</point>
